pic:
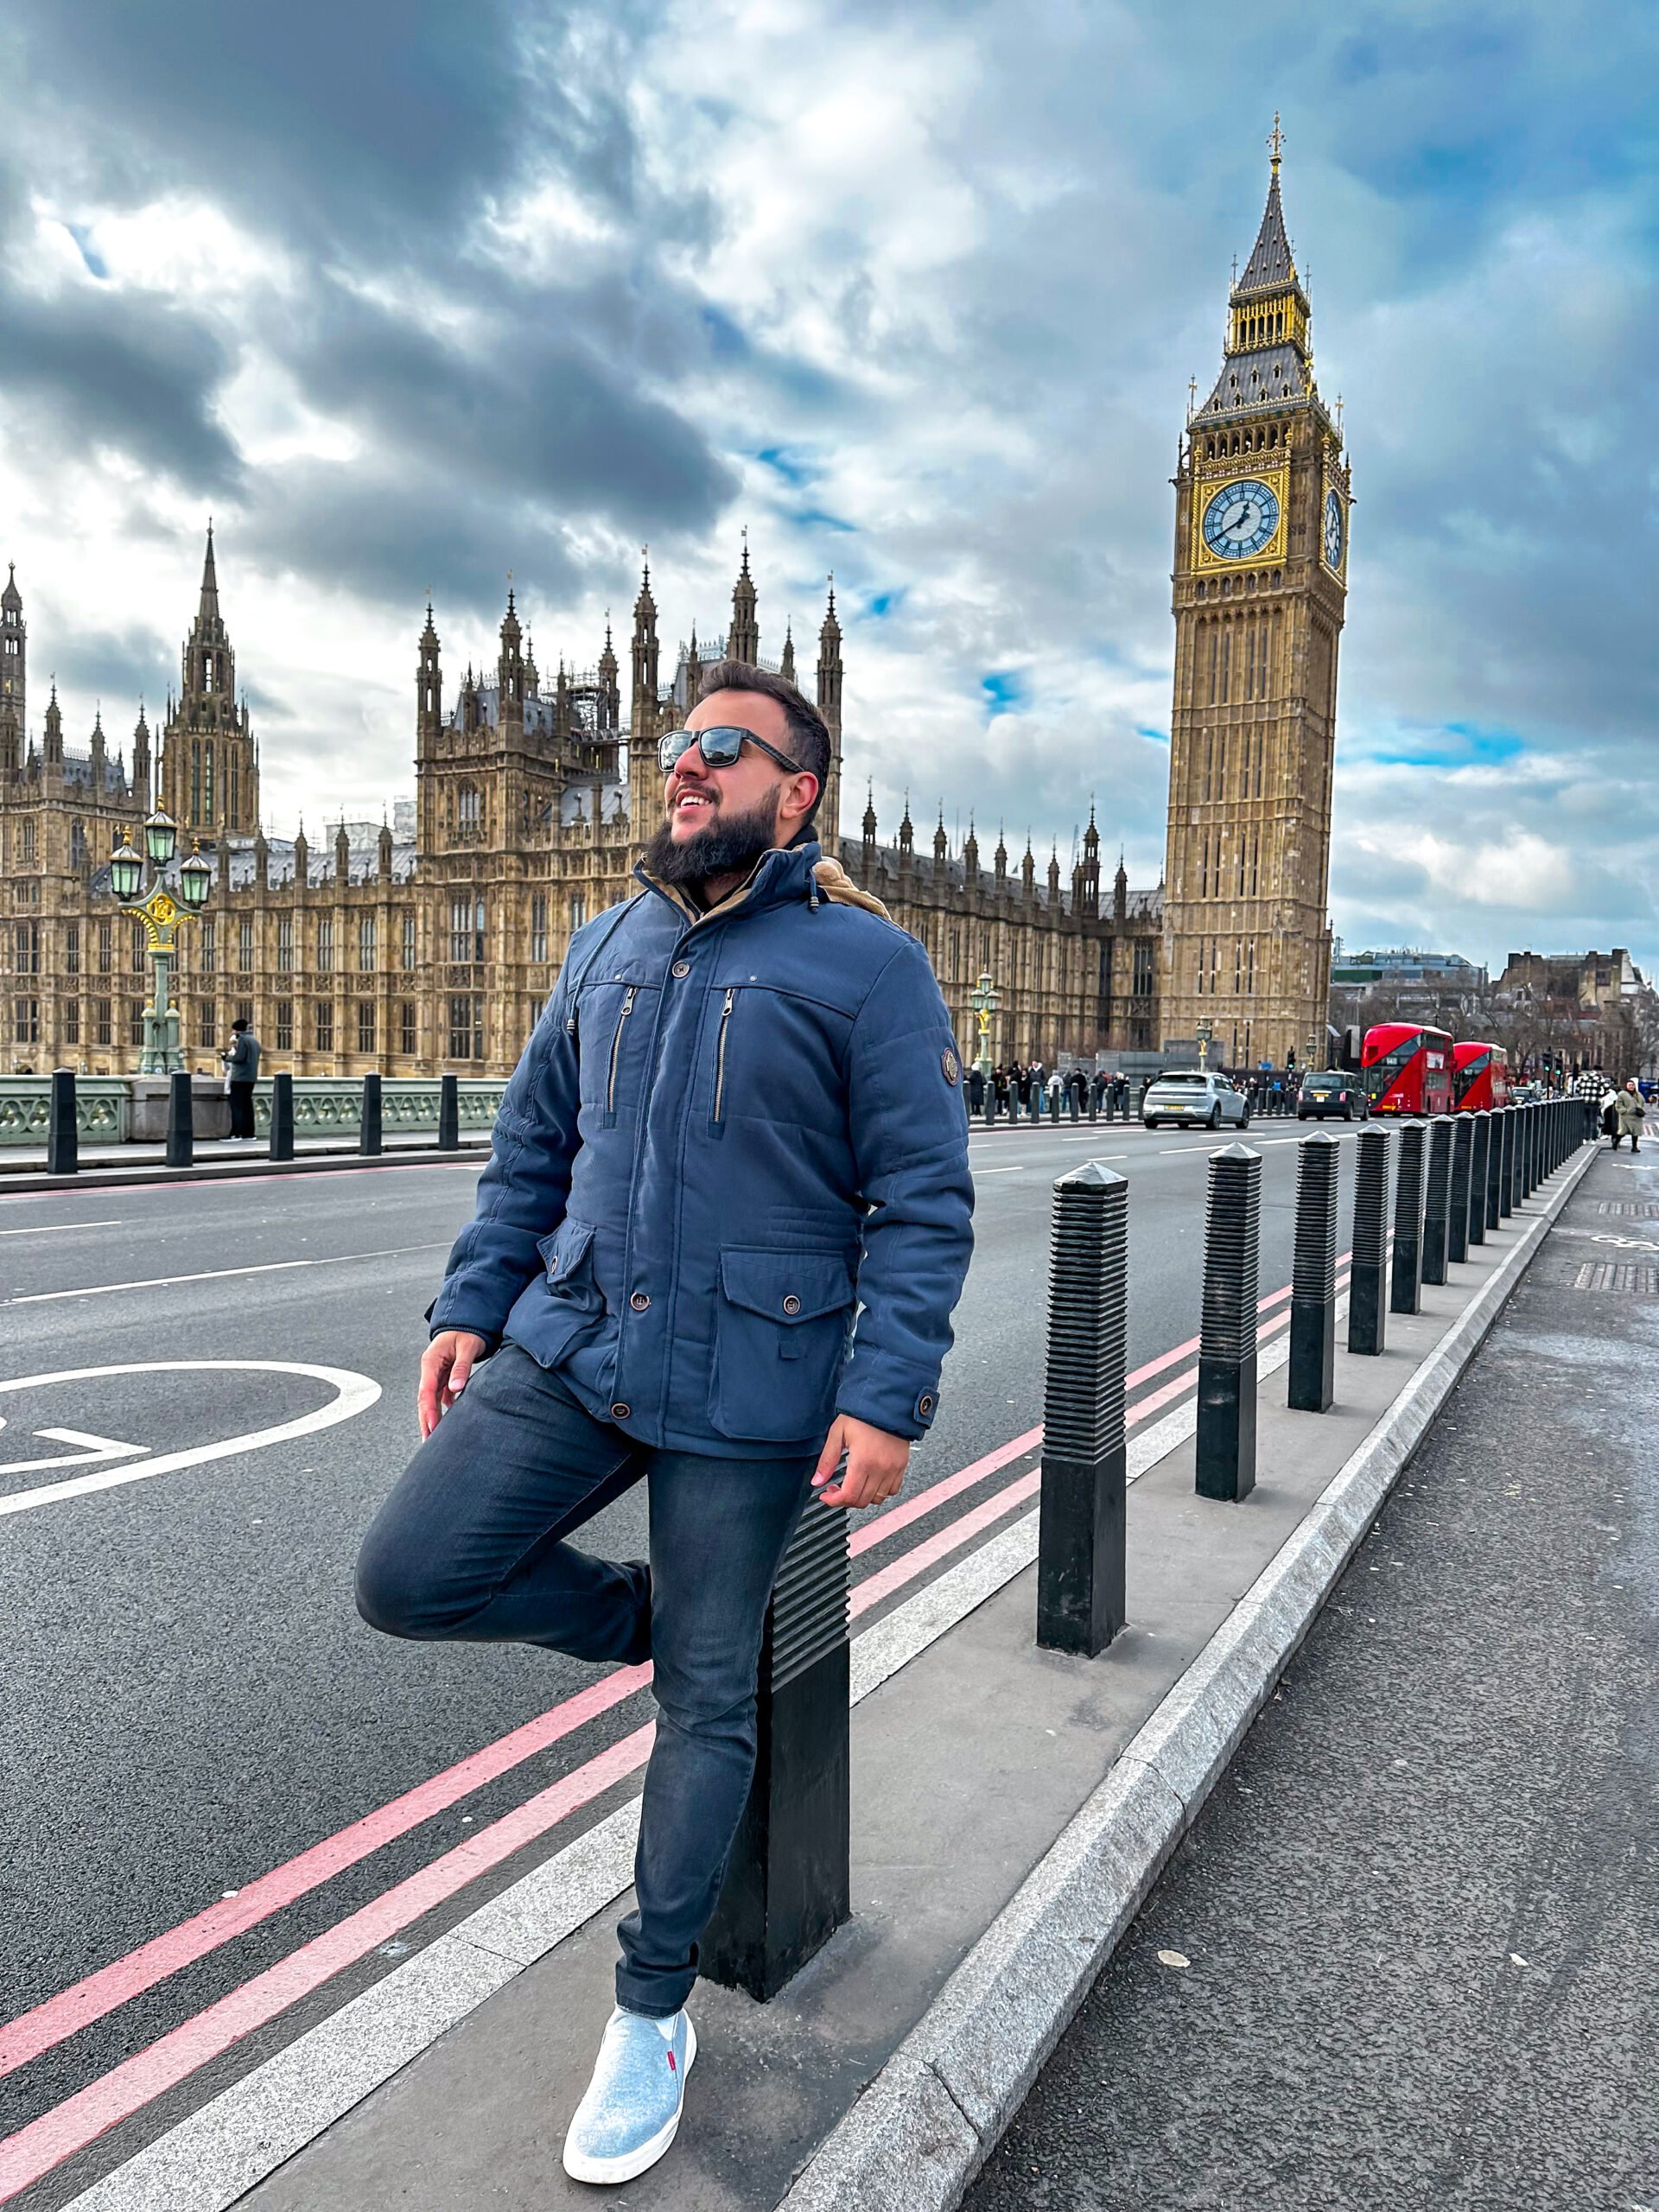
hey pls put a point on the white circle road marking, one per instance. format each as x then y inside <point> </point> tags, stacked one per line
<point>356,1394</point>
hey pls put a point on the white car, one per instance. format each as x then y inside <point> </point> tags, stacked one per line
<point>1197,1098</point>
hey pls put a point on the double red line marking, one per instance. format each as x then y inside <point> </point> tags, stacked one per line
<point>36,2149</point>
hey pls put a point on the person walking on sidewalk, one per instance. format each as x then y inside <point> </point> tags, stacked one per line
<point>241,1060</point>
<point>738,1124</point>
<point>1630,1111</point>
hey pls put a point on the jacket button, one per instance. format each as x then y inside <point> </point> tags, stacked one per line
<point>681,968</point>
<point>924,1404</point>
<point>639,1301</point>
<point>619,1412</point>
<point>553,1265</point>
<point>791,1304</point>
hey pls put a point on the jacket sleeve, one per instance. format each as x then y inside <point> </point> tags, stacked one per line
<point>521,1192</point>
<point>909,1126</point>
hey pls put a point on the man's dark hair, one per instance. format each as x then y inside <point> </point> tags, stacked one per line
<point>239,1024</point>
<point>809,734</point>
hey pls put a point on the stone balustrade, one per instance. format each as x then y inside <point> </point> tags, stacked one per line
<point>107,1107</point>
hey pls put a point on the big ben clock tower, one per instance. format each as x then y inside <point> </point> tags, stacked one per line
<point>1261,499</point>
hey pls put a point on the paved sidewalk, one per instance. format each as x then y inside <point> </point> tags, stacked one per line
<point>1409,1954</point>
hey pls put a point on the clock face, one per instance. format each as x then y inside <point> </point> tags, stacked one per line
<point>1335,527</point>
<point>1240,520</point>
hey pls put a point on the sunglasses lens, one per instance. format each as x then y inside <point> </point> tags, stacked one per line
<point>720,747</point>
<point>671,746</point>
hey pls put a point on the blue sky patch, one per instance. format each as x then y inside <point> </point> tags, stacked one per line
<point>89,253</point>
<point>1005,692</point>
<point>883,603</point>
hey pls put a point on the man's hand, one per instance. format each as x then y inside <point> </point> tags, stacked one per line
<point>875,1463</point>
<point>445,1365</point>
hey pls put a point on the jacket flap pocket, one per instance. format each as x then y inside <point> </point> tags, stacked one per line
<point>787,1287</point>
<point>565,1249</point>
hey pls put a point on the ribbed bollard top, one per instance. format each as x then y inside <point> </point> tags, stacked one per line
<point>1088,1315</point>
<point>1438,1192</point>
<point>1314,1266</point>
<point>1371,1199</point>
<point>1232,1221</point>
<point>810,1598</point>
<point>1409,1181</point>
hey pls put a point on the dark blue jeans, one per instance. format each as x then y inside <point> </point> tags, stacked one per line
<point>471,1545</point>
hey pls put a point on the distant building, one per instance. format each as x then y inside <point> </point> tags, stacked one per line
<point>1403,973</point>
<point>1598,980</point>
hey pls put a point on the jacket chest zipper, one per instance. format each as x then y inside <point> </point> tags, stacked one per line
<point>720,1054</point>
<point>616,1047</point>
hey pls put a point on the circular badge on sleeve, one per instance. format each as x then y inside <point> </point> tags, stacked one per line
<point>952,1067</point>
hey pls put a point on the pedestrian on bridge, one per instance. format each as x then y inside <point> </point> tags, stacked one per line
<point>241,1058</point>
<point>738,1125</point>
<point>1630,1112</point>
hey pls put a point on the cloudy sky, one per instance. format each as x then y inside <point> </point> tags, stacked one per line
<point>411,296</point>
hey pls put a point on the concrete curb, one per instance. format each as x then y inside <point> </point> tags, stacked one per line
<point>34,1183</point>
<point>936,2110</point>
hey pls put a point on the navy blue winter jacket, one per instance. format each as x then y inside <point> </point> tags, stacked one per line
<point>729,1131</point>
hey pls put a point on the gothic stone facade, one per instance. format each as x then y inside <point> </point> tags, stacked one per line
<point>434,942</point>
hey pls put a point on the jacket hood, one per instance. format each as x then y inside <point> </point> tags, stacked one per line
<point>838,887</point>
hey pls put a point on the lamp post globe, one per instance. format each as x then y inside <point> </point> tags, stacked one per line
<point>126,871</point>
<point>195,882</point>
<point>161,837</point>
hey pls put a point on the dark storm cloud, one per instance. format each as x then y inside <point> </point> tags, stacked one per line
<point>116,668</point>
<point>388,536</point>
<point>337,121</point>
<point>128,370</point>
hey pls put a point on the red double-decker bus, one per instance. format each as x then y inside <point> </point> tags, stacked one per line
<point>1406,1069</point>
<point>1480,1078</point>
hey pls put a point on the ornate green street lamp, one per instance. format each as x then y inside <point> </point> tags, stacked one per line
<point>161,913</point>
<point>984,1001</point>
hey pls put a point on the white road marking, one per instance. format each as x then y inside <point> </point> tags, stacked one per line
<point>356,1394</point>
<point>93,1447</point>
<point>1000,1170</point>
<point>216,1274</point>
<point>58,1228</point>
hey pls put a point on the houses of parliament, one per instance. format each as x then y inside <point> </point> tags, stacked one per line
<point>434,939</point>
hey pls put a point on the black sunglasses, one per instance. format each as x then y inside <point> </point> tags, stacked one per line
<point>719,748</point>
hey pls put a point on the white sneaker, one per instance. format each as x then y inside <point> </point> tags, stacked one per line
<point>631,2110</point>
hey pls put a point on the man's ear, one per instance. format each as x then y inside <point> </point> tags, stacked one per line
<point>796,807</point>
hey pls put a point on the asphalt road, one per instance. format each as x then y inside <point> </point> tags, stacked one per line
<point>187,1697</point>
<point>1409,1954</point>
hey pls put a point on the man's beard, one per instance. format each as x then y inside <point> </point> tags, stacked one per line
<point>729,846</point>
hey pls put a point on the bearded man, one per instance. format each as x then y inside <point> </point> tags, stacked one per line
<point>738,1126</point>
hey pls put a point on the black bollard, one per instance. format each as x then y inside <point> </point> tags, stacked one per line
<point>1494,1167</point>
<point>1080,1540</point>
<point>1071,1101</point>
<point>282,1116</point>
<point>1034,1106</point>
<point>1368,1294</point>
<point>1463,1137</point>
<point>1437,1200</point>
<point>1506,1160</point>
<point>1226,1444</point>
<point>1405,1291</point>
<point>1313,1276</point>
<point>1480,1139</point>
<point>787,1886</point>
<point>448,1113</point>
<point>62,1137</point>
<point>1093,1106</point>
<point>368,1140</point>
<point>988,1108</point>
<point>181,1122</point>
